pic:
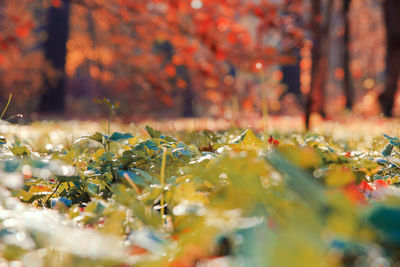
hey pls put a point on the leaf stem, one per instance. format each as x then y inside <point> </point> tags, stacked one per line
<point>109,130</point>
<point>5,108</point>
<point>163,163</point>
<point>265,112</point>
<point>132,183</point>
<point>55,190</point>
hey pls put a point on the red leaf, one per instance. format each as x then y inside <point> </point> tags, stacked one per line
<point>348,154</point>
<point>270,139</point>
<point>354,194</point>
<point>380,183</point>
<point>364,186</point>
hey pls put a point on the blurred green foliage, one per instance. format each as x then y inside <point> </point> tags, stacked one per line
<point>232,197</point>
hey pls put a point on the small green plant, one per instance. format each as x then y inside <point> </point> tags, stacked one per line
<point>112,107</point>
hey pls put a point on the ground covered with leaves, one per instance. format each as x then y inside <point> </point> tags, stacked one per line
<point>72,196</point>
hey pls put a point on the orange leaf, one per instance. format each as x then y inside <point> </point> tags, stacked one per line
<point>56,3</point>
<point>170,70</point>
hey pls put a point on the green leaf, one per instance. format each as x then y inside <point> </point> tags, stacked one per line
<point>146,176</point>
<point>387,150</point>
<point>393,140</point>
<point>94,188</point>
<point>107,156</point>
<point>153,133</point>
<point>182,151</point>
<point>151,145</point>
<point>97,137</point>
<point>168,138</point>
<point>11,165</point>
<point>120,136</point>
<point>127,158</point>
<point>66,179</point>
<point>20,151</point>
<point>157,134</point>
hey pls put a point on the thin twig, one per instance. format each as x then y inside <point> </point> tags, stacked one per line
<point>5,108</point>
<point>132,183</point>
<point>163,163</point>
<point>55,190</point>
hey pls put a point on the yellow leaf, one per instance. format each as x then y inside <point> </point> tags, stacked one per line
<point>339,176</point>
<point>305,157</point>
<point>187,191</point>
<point>184,178</point>
<point>251,139</point>
<point>133,141</point>
<point>98,153</point>
<point>343,223</point>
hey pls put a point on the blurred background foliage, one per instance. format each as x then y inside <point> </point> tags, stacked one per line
<point>202,58</point>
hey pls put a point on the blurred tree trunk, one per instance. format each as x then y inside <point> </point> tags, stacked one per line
<point>347,82</point>
<point>187,97</point>
<point>187,110</point>
<point>291,72</point>
<point>187,92</point>
<point>291,77</point>
<point>391,9</point>
<point>53,98</point>
<point>320,25</point>
<point>1,23</point>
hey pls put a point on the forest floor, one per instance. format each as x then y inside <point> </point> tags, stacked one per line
<point>202,191</point>
<point>343,126</point>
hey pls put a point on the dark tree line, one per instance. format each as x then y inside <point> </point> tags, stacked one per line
<point>347,82</point>
<point>53,97</point>
<point>320,24</point>
<point>391,10</point>
<point>320,32</point>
